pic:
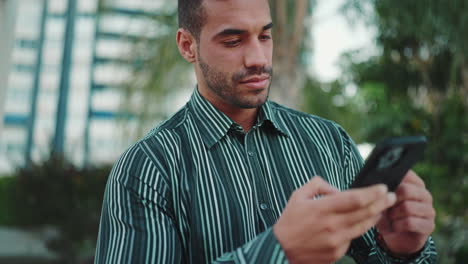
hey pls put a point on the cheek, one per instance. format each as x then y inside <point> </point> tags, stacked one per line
<point>269,52</point>
<point>223,61</point>
<point>227,60</point>
<point>216,54</point>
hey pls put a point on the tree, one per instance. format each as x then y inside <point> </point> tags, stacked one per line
<point>418,85</point>
<point>290,35</point>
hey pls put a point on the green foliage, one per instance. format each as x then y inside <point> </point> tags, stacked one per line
<point>438,22</point>
<point>418,84</point>
<point>57,194</point>
<point>462,254</point>
<point>7,217</point>
<point>328,100</point>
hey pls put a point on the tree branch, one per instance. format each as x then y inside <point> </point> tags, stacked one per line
<point>298,34</point>
<point>280,28</point>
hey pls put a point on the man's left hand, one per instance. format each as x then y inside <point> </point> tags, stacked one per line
<point>406,226</point>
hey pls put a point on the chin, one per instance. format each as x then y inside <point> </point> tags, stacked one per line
<point>253,102</point>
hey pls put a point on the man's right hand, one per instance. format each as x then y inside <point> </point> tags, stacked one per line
<point>320,231</point>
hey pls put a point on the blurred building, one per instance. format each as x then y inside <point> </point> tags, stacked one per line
<point>67,63</point>
<point>7,20</point>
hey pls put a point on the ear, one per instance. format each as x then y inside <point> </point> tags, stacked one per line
<point>186,44</point>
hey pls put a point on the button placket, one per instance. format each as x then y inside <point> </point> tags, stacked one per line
<point>261,193</point>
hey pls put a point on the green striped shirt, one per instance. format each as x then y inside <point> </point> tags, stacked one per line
<point>197,189</point>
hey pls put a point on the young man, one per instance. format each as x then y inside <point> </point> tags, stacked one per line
<point>232,177</point>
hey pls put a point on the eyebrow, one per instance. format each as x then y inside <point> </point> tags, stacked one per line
<point>232,31</point>
<point>267,27</point>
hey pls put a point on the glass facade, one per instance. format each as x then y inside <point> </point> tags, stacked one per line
<point>94,73</point>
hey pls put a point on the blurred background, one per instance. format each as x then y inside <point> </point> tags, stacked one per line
<point>81,80</point>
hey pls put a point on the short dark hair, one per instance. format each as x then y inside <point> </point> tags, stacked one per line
<point>192,16</point>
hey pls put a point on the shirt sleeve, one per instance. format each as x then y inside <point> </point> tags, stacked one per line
<point>264,248</point>
<point>138,224</point>
<point>365,249</point>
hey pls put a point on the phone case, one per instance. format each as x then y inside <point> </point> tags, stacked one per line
<point>390,160</point>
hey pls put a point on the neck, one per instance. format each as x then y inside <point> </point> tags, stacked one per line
<point>245,117</point>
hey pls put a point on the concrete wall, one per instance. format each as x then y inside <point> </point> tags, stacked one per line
<point>7,29</point>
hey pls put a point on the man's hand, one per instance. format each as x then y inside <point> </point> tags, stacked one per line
<point>406,227</point>
<point>320,231</point>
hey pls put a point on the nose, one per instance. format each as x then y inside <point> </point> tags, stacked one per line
<point>255,55</point>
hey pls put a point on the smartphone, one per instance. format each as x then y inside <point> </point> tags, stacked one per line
<point>389,162</point>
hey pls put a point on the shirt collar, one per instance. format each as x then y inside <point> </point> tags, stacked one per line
<point>269,114</point>
<point>214,124</point>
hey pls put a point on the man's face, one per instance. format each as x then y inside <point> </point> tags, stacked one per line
<point>235,52</point>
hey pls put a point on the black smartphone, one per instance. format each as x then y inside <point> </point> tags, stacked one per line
<point>390,160</point>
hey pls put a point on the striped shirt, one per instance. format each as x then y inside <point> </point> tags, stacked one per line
<point>197,189</point>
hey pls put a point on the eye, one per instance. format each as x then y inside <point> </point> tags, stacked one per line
<point>231,43</point>
<point>265,37</point>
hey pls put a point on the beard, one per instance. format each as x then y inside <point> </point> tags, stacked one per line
<point>224,85</point>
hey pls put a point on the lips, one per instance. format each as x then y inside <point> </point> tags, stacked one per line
<point>257,82</point>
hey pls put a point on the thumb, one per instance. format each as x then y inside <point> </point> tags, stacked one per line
<point>384,225</point>
<point>316,186</point>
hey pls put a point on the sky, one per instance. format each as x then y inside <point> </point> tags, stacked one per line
<point>332,35</point>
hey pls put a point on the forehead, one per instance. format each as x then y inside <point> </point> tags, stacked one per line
<point>239,14</point>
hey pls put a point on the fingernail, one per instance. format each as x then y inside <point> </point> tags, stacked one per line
<point>383,188</point>
<point>391,197</point>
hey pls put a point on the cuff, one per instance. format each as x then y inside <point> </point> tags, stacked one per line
<point>427,254</point>
<point>265,248</point>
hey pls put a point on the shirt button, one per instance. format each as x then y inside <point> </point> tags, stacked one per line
<point>250,153</point>
<point>263,206</point>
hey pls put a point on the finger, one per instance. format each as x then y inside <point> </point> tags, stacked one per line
<point>384,225</point>
<point>413,178</point>
<point>413,192</point>
<point>316,186</point>
<point>418,225</point>
<point>374,209</point>
<point>353,199</point>
<point>412,208</point>
<point>360,228</point>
